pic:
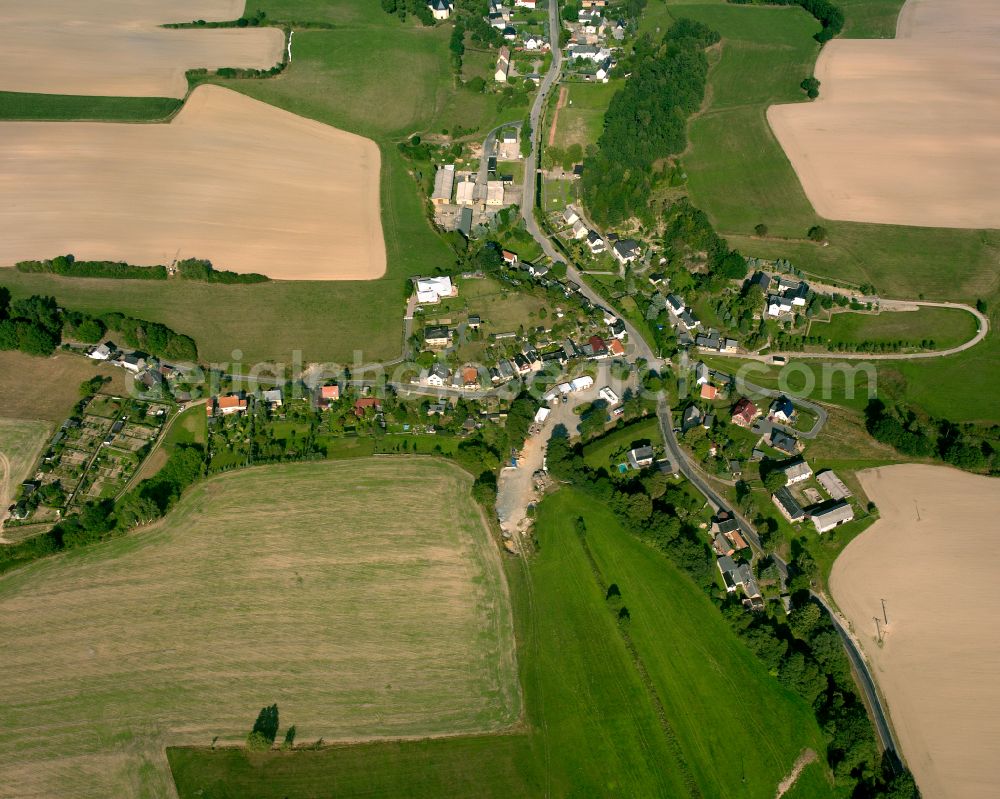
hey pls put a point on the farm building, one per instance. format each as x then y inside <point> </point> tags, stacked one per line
<point>830,515</point>
<point>788,505</point>
<point>797,472</point>
<point>444,181</point>
<point>834,486</point>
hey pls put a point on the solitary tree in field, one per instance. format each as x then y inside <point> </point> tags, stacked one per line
<point>760,230</point>
<point>817,233</point>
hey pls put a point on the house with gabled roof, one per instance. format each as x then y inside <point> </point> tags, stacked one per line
<point>744,412</point>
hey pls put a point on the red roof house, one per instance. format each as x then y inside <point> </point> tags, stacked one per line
<point>744,412</point>
<point>615,347</point>
<point>366,402</point>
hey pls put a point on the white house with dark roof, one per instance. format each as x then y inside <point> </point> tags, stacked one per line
<point>440,9</point>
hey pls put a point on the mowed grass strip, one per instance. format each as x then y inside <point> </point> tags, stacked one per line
<point>365,598</point>
<point>21,442</point>
<point>947,327</point>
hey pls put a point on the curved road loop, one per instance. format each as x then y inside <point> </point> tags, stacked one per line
<point>641,349</point>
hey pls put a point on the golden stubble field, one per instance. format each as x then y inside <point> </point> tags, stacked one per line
<point>905,130</point>
<point>365,598</point>
<point>930,556</point>
<point>118,47</point>
<point>249,186</point>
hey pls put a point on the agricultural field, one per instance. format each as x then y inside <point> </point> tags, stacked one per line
<point>90,47</point>
<point>196,198</point>
<point>48,388</point>
<point>592,723</point>
<point>21,443</point>
<point>64,107</point>
<point>282,576</point>
<point>947,327</point>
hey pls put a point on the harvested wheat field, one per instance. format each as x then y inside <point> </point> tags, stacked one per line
<point>117,47</point>
<point>242,183</point>
<point>930,556</point>
<point>365,598</point>
<point>21,442</point>
<point>905,130</point>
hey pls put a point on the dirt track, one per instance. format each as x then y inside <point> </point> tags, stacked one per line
<point>242,183</point>
<point>928,558</point>
<point>904,131</point>
<point>117,47</point>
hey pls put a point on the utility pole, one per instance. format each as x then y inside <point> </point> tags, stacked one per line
<point>877,629</point>
<point>884,617</point>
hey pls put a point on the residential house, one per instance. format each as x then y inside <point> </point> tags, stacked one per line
<point>363,404</point>
<point>782,409</point>
<point>730,345</point>
<point>834,486</point>
<point>437,409</point>
<point>796,472</point>
<point>570,216</point>
<point>470,377</point>
<point>783,442</point>
<point>437,336</point>
<point>532,43</point>
<point>691,418</point>
<point>102,352</point>
<point>498,20</point>
<point>701,374</point>
<point>328,395</point>
<point>788,505</point>
<point>440,9</point>
<point>709,392</point>
<point>437,375</point>
<point>759,280</point>
<point>604,70</point>
<point>433,289</point>
<point>228,405</point>
<point>579,230</point>
<point>625,251</point>
<point>506,369</point>
<point>509,33</point>
<point>133,362</point>
<point>778,305</point>
<point>707,421</point>
<point>615,347</point>
<point>618,330</point>
<point>595,242</point>
<point>273,398</point>
<point>587,52</point>
<point>709,340</point>
<point>689,320</point>
<point>597,347</point>
<point>641,457</point>
<point>831,514</point>
<point>799,295</point>
<point>503,64</point>
<point>675,304</point>
<point>530,4</point>
<point>444,181</point>
<point>744,412</point>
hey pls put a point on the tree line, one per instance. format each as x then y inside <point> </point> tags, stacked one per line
<point>646,121</point>
<point>36,325</point>
<point>187,269</point>
<point>967,446</point>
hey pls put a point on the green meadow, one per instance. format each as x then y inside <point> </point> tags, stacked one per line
<point>660,717</point>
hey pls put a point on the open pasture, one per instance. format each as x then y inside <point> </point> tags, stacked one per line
<point>118,48</point>
<point>925,557</point>
<point>300,584</point>
<point>947,327</point>
<point>903,130</point>
<point>250,187</point>
<point>581,119</point>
